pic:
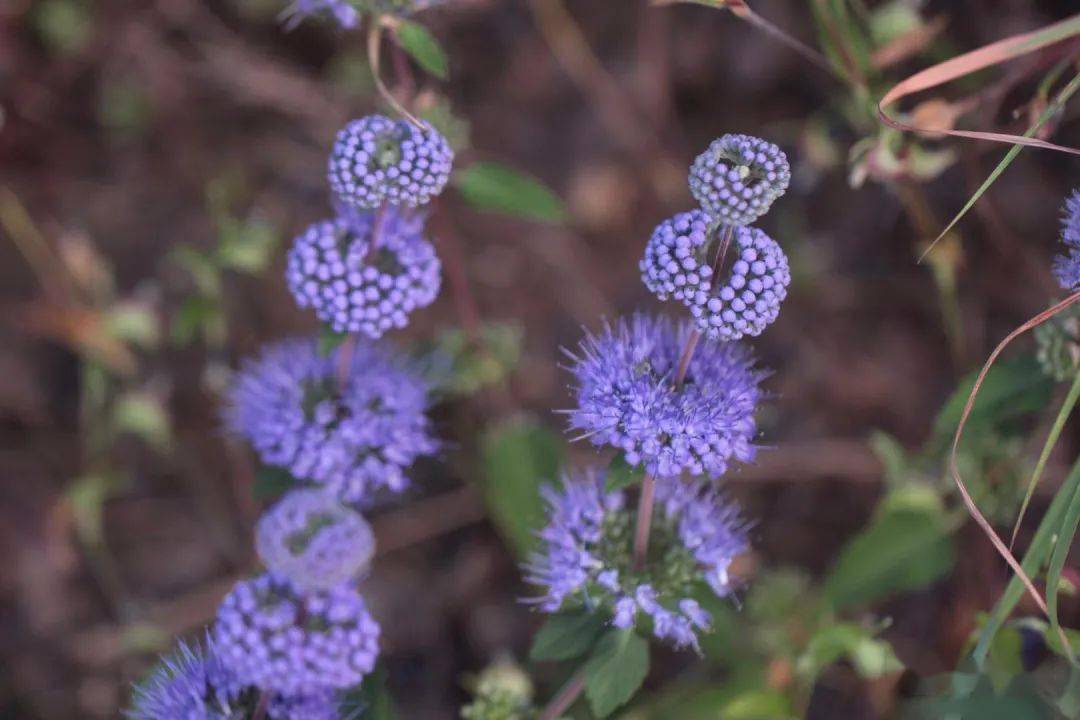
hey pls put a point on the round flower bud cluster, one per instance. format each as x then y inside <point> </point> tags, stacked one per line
<point>585,558</point>
<point>376,161</point>
<point>675,263</point>
<point>735,180</point>
<point>749,299</point>
<point>364,271</point>
<point>738,177</point>
<point>277,639</point>
<point>352,438</point>
<point>314,541</point>
<point>626,398</point>
<point>1067,264</point>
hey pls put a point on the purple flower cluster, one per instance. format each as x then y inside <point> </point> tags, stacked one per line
<point>376,160</point>
<point>586,560</point>
<point>342,11</point>
<point>364,272</point>
<point>627,398</point>
<point>738,177</point>
<point>677,265</point>
<point>188,684</point>
<point>353,438</point>
<point>1067,265</point>
<point>749,300</point>
<point>314,541</point>
<point>278,639</point>
<point>735,180</point>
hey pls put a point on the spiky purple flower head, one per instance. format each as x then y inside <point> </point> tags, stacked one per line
<point>191,683</point>
<point>376,160</point>
<point>1067,265</point>
<point>627,398</point>
<point>364,271</point>
<point>738,177</point>
<point>342,12</point>
<point>277,639</point>
<point>352,439</point>
<point>586,556</point>
<point>313,540</point>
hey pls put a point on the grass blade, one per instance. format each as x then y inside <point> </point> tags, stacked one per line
<point>1064,540</point>
<point>1033,559</point>
<point>1051,441</point>
<point>1051,109</point>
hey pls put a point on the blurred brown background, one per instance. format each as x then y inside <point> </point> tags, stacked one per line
<point>118,118</point>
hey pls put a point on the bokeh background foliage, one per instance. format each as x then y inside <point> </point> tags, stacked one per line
<point>154,159</point>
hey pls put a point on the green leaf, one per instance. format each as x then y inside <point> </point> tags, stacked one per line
<point>144,416</point>
<point>757,704</point>
<point>871,657</point>
<point>621,474</point>
<point>901,550</point>
<point>1011,389</point>
<point>271,483</point>
<point>494,187</point>
<point>422,46</point>
<point>517,459</point>
<point>566,635</point>
<point>371,699</point>
<point>615,671</point>
<point>329,341</point>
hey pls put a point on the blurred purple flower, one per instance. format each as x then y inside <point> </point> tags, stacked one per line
<point>352,441</point>
<point>188,684</point>
<point>342,11</point>
<point>364,271</point>
<point>313,540</point>
<point>1067,265</point>
<point>376,160</point>
<point>278,640</point>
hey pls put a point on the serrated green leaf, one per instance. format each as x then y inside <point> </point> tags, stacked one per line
<point>422,46</point>
<point>901,550</point>
<point>566,635</point>
<point>517,459</point>
<point>621,474</point>
<point>494,187</point>
<point>615,671</point>
<point>271,483</point>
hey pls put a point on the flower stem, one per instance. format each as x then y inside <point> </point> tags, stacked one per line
<point>566,696</point>
<point>260,709</point>
<point>648,486</point>
<point>644,520</point>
